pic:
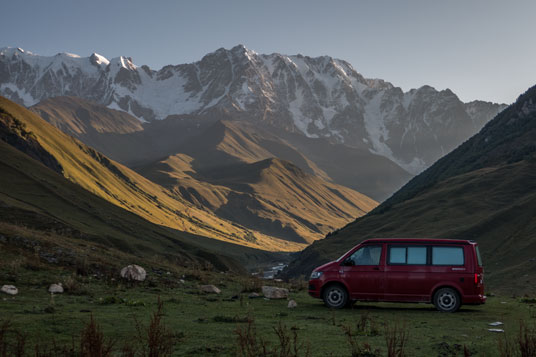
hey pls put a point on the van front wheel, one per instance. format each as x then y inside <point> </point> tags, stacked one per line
<point>447,300</point>
<point>335,296</point>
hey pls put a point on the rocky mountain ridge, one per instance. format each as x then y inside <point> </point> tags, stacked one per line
<point>318,97</point>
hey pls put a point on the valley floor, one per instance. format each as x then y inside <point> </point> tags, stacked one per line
<point>210,324</point>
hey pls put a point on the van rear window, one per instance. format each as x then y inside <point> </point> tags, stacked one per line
<point>447,256</point>
<point>478,258</point>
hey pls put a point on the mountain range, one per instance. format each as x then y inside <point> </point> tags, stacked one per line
<point>318,97</point>
<point>254,153</point>
<point>485,190</point>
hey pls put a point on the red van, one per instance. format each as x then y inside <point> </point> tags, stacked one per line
<point>445,272</point>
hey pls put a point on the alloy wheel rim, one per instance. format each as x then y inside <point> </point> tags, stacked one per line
<point>447,300</point>
<point>335,297</point>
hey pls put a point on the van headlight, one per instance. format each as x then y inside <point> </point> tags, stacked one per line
<point>316,274</point>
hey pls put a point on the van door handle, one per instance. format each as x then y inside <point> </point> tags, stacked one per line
<point>376,268</point>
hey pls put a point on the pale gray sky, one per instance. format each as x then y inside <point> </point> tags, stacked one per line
<point>481,49</point>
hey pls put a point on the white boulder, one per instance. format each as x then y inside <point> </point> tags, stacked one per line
<point>133,272</point>
<point>9,289</point>
<point>55,288</point>
<point>292,304</point>
<point>210,289</point>
<point>273,292</point>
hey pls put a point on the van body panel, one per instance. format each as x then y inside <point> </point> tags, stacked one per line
<point>408,270</point>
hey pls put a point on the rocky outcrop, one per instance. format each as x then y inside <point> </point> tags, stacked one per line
<point>133,272</point>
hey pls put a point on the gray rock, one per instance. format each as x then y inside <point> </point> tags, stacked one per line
<point>254,296</point>
<point>292,304</point>
<point>9,289</point>
<point>55,289</point>
<point>273,292</point>
<point>210,289</point>
<point>133,272</point>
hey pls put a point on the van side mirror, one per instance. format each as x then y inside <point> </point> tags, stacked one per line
<point>348,262</point>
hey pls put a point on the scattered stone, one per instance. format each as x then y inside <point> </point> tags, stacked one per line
<point>292,304</point>
<point>181,281</point>
<point>254,296</point>
<point>504,302</point>
<point>9,289</point>
<point>273,292</point>
<point>133,272</point>
<point>500,330</point>
<point>497,323</point>
<point>210,289</point>
<point>278,280</point>
<point>55,289</point>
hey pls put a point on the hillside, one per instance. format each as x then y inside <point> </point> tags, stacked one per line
<point>217,140</point>
<point>119,185</point>
<point>484,190</point>
<point>271,196</point>
<point>70,225</point>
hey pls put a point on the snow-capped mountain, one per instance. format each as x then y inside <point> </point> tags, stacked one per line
<point>319,97</point>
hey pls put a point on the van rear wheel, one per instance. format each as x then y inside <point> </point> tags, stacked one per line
<point>447,300</point>
<point>335,296</point>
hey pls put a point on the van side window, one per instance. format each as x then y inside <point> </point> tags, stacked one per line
<point>368,255</point>
<point>447,256</point>
<point>407,255</point>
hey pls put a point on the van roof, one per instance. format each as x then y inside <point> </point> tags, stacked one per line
<point>419,240</point>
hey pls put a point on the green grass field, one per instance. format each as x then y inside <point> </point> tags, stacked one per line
<point>207,324</point>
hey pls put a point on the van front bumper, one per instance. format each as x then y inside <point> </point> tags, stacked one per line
<point>314,288</point>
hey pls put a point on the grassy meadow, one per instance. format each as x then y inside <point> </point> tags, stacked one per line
<point>229,324</point>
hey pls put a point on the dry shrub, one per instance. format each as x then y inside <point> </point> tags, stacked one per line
<point>249,344</point>
<point>524,344</point>
<point>93,343</point>
<point>250,284</point>
<point>156,340</point>
<point>289,344</point>
<point>73,286</point>
<point>396,338</point>
<point>12,341</point>
<point>366,326</point>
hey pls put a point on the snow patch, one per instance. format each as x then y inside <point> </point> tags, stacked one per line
<point>27,99</point>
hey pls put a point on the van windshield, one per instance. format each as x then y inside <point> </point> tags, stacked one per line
<point>478,258</point>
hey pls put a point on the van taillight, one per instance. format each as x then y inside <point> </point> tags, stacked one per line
<point>476,279</point>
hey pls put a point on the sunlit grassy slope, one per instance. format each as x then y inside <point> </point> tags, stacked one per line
<point>272,196</point>
<point>123,187</point>
<point>37,204</point>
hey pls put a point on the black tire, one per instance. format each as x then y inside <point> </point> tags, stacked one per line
<point>335,296</point>
<point>447,300</point>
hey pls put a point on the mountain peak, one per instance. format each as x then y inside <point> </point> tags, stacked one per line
<point>95,58</point>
